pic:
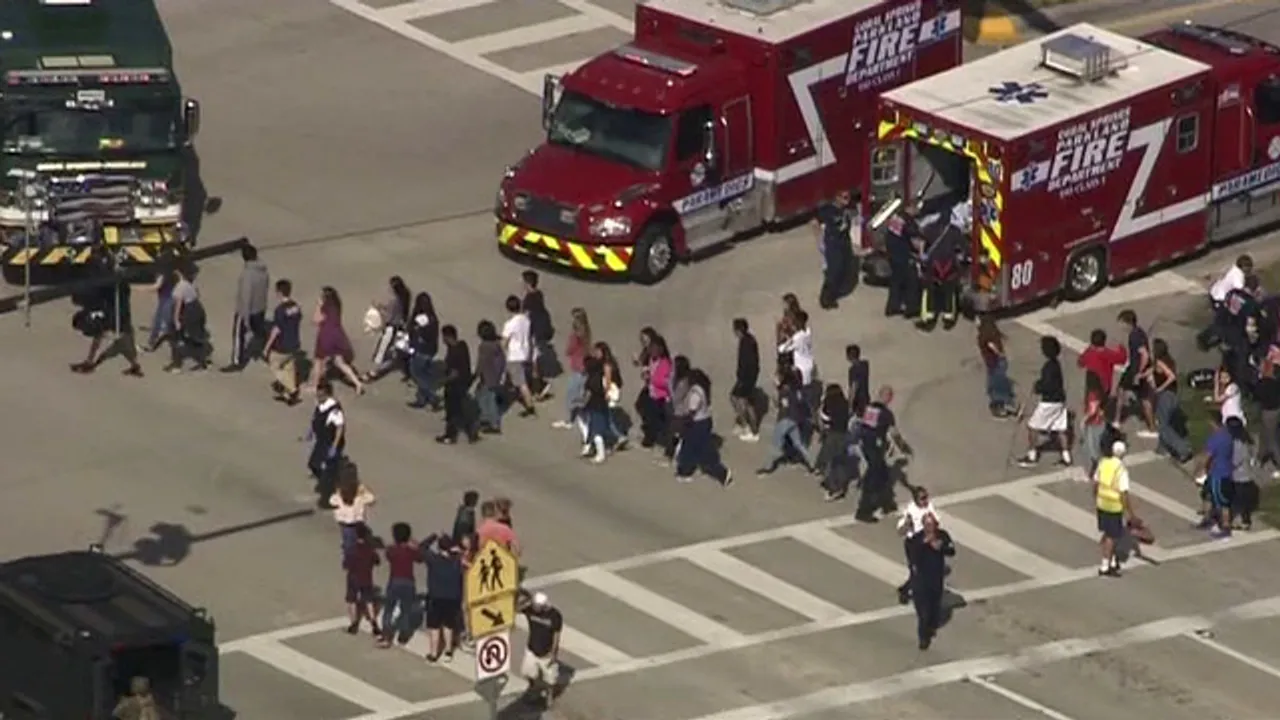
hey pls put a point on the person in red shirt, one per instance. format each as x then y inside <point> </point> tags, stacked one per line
<point>402,587</point>
<point>1102,360</point>
<point>360,560</point>
<point>492,527</point>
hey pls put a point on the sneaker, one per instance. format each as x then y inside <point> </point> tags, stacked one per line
<point>1220,533</point>
<point>562,425</point>
<point>1148,434</point>
<point>728,479</point>
<point>684,478</point>
<point>447,657</point>
<point>1204,524</point>
<point>587,450</point>
<point>83,368</point>
<point>621,444</point>
<point>133,371</point>
<point>749,437</point>
<point>1028,461</point>
<point>832,496</point>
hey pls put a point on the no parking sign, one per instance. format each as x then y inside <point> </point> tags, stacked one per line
<point>493,656</point>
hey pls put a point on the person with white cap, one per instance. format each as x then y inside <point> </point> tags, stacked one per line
<point>541,666</point>
<point>1111,496</point>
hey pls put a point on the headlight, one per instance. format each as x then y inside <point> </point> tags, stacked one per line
<point>153,193</point>
<point>616,226</point>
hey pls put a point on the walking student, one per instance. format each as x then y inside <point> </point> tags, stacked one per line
<point>1244,500</point>
<point>654,403</point>
<point>517,342</point>
<point>1112,498</point>
<point>1217,486</point>
<point>833,455</point>
<point>249,326</point>
<point>1050,417</point>
<point>284,344</point>
<point>1164,382</point>
<point>401,594</point>
<point>190,336</point>
<point>444,597</point>
<point>746,422</point>
<point>424,345</point>
<point>162,319</point>
<point>359,560</point>
<point>351,504</point>
<point>392,314</point>
<point>541,664</point>
<point>1267,395</point>
<point>1000,398</point>
<point>598,435</point>
<point>328,436</point>
<point>491,365</point>
<point>859,379</point>
<point>457,369</point>
<point>576,350</point>
<point>111,313</point>
<point>697,445</point>
<point>1135,382</point>
<point>541,332</point>
<point>676,415</point>
<point>1093,423</point>
<point>793,413</point>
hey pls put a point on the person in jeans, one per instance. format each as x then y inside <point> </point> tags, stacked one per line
<point>491,366</point>
<point>576,350</point>
<point>793,412</point>
<point>284,344</point>
<point>612,390</point>
<point>162,320</point>
<point>833,455</point>
<point>1245,496</point>
<point>1093,423</point>
<point>697,445</point>
<point>1164,380</point>
<point>402,588</point>
<point>1000,399</point>
<point>424,345</point>
<point>595,409</point>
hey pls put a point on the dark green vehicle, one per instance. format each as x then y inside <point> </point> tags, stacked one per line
<point>94,135</point>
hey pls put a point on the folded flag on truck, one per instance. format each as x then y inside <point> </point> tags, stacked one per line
<point>1031,175</point>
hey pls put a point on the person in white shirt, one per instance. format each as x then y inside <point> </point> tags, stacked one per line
<point>1232,279</point>
<point>350,505</point>
<point>1226,392</point>
<point>800,346</point>
<point>518,346</point>
<point>910,525</point>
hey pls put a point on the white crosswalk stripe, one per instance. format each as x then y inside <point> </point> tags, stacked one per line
<point>413,20</point>
<point>716,635</point>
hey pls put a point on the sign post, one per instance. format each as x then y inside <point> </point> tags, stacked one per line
<point>491,587</point>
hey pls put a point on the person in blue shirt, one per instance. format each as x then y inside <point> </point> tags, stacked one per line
<point>1216,469</point>
<point>833,225</point>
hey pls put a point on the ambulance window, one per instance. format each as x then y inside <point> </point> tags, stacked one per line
<point>1188,133</point>
<point>1267,101</point>
<point>691,133</point>
<point>884,165</point>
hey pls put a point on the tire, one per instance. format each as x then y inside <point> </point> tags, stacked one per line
<point>655,255</point>
<point>1086,274</point>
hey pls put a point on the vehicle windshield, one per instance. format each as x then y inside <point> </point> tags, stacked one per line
<point>622,134</point>
<point>64,131</point>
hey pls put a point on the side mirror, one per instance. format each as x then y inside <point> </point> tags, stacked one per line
<point>709,143</point>
<point>191,118</point>
<point>550,96</point>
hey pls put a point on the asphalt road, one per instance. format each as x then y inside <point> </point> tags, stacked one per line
<point>351,153</point>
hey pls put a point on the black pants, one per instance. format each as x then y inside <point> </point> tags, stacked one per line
<point>940,298</point>
<point>456,417</point>
<point>653,418</point>
<point>184,345</point>
<point>927,598</point>
<point>672,431</point>
<point>248,338</point>
<point>1245,501</point>
<point>907,546</point>
<point>324,469</point>
<point>877,486</point>
<point>833,457</point>
<point>835,281</point>
<point>901,289</point>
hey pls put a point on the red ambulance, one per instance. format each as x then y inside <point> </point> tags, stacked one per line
<point>1086,157</point>
<point>719,118</point>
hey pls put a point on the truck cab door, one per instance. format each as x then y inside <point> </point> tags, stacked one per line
<point>733,139</point>
<point>696,175</point>
<point>1246,191</point>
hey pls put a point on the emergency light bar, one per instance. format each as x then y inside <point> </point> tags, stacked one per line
<point>140,76</point>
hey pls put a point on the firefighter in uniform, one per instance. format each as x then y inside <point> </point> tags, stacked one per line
<point>878,437</point>
<point>833,225</point>
<point>328,436</point>
<point>940,280</point>
<point>903,279</point>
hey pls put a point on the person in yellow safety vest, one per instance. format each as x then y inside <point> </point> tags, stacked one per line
<point>1111,493</point>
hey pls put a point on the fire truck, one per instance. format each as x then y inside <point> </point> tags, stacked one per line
<point>95,134</point>
<point>1083,159</point>
<point>720,117</point>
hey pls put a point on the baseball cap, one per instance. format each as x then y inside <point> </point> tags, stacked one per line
<point>540,599</point>
<point>1118,448</point>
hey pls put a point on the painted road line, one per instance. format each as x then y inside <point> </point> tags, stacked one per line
<point>422,9</point>
<point>752,538</point>
<point>1028,658</point>
<point>1069,516</point>
<point>1157,499</point>
<point>608,17</point>
<point>1177,13</point>
<point>537,76</point>
<point>419,647</point>
<point>852,620</point>
<point>758,582</point>
<point>1253,662</point>
<point>864,560</point>
<point>325,677</point>
<point>1015,557</point>
<point>990,685</point>
<point>530,34</point>
<point>660,608</point>
<point>426,39</point>
<point>584,646</point>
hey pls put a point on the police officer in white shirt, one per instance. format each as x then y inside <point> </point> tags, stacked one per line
<point>910,527</point>
<point>1232,279</point>
<point>328,437</point>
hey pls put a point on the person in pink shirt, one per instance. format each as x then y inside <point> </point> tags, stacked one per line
<point>576,350</point>
<point>493,528</point>
<point>654,405</point>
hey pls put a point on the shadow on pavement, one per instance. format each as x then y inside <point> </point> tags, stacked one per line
<point>168,544</point>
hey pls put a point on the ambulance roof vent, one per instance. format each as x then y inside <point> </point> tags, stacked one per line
<point>762,7</point>
<point>1080,57</point>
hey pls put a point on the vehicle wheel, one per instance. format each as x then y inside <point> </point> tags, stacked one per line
<point>1086,274</point>
<point>655,255</point>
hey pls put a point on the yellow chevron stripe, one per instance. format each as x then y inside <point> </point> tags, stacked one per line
<point>612,260</point>
<point>56,255</point>
<point>22,256</point>
<point>582,257</point>
<point>138,253</point>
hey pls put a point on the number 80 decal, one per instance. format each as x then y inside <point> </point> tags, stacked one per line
<point>1020,275</point>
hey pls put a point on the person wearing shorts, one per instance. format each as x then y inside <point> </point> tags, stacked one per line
<point>1135,381</point>
<point>745,385</point>
<point>517,343</point>
<point>444,596</point>
<point>1218,487</point>
<point>1050,416</point>
<point>1111,492</point>
<point>541,664</point>
<point>358,561</point>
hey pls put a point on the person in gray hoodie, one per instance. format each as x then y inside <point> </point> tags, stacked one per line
<point>249,327</point>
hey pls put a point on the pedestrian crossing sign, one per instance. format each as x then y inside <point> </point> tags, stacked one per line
<point>491,585</point>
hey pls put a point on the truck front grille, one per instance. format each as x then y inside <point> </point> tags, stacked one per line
<point>549,217</point>
<point>86,198</point>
